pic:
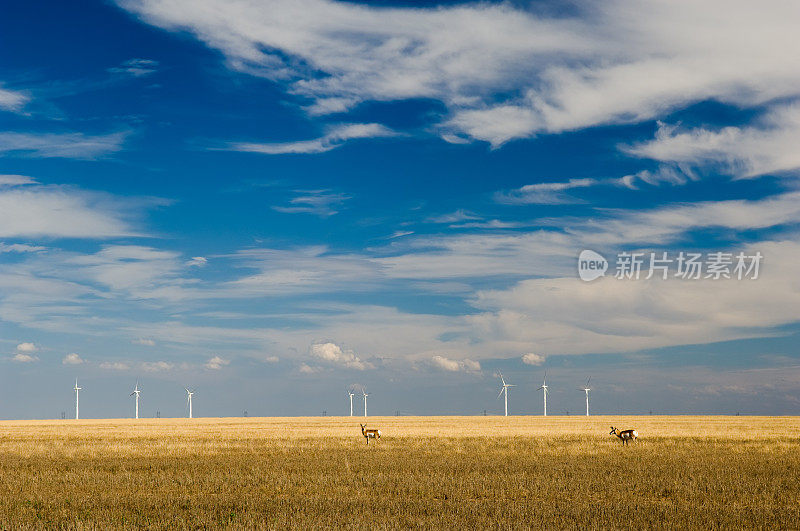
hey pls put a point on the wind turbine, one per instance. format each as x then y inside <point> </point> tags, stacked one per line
<point>504,389</point>
<point>586,390</point>
<point>77,391</point>
<point>350,394</point>
<point>544,390</point>
<point>136,392</point>
<point>364,391</point>
<point>189,400</point>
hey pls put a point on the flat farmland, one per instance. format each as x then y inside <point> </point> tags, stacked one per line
<point>499,472</point>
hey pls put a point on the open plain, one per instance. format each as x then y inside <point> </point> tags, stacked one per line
<point>500,472</point>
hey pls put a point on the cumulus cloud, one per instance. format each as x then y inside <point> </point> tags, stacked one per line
<point>21,357</point>
<point>533,359</point>
<point>503,71</point>
<point>72,359</point>
<point>446,364</point>
<point>308,369</point>
<point>333,353</point>
<point>272,359</point>
<point>27,347</point>
<point>334,138</point>
<point>156,366</point>
<point>216,363</point>
<point>114,366</point>
<point>144,341</point>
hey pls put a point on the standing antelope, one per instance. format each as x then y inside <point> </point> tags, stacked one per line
<point>369,434</point>
<point>625,436</point>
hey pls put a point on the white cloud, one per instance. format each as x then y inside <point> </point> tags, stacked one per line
<point>471,365</point>
<point>333,353</point>
<point>136,67</point>
<point>666,224</point>
<point>300,270</point>
<point>20,248</point>
<point>334,138</point>
<point>114,366</point>
<point>445,363</point>
<point>197,261</point>
<point>505,72</point>
<point>533,359</point>
<point>767,147</point>
<point>60,145</point>
<point>12,100</point>
<point>144,341</point>
<point>451,365</point>
<point>142,271</point>
<point>24,358</point>
<point>272,359</point>
<point>308,369</point>
<point>216,363</point>
<point>72,359</point>
<point>157,366</point>
<point>27,347</point>
<point>567,316</point>
<point>52,211</point>
<point>322,203</point>
<point>544,193</point>
<point>454,217</point>
<point>15,180</point>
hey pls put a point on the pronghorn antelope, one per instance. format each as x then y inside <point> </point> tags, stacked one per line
<point>369,434</point>
<point>625,436</point>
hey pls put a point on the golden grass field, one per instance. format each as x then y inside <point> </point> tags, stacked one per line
<point>443,472</point>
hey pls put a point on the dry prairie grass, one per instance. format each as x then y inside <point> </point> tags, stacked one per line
<point>515,472</point>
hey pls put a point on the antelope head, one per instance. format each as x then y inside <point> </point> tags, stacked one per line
<point>613,431</point>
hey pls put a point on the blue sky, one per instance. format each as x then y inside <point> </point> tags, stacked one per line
<point>273,200</point>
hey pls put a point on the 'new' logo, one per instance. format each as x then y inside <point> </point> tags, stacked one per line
<point>591,265</point>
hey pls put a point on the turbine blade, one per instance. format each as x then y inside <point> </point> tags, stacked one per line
<point>500,393</point>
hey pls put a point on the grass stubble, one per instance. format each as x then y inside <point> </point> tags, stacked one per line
<point>432,472</point>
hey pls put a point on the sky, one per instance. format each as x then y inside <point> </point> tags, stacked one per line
<point>269,202</point>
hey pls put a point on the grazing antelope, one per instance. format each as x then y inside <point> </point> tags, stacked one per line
<point>625,436</point>
<point>369,434</point>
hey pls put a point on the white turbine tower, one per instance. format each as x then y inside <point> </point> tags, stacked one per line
<point>136,392</point>
<point>77,391</point>
<point>504,389</point>
<point>350,393</point>
<point>189,400</point>
<point>364,391</point>
<point>586,390</point>
<point>544,390</point>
